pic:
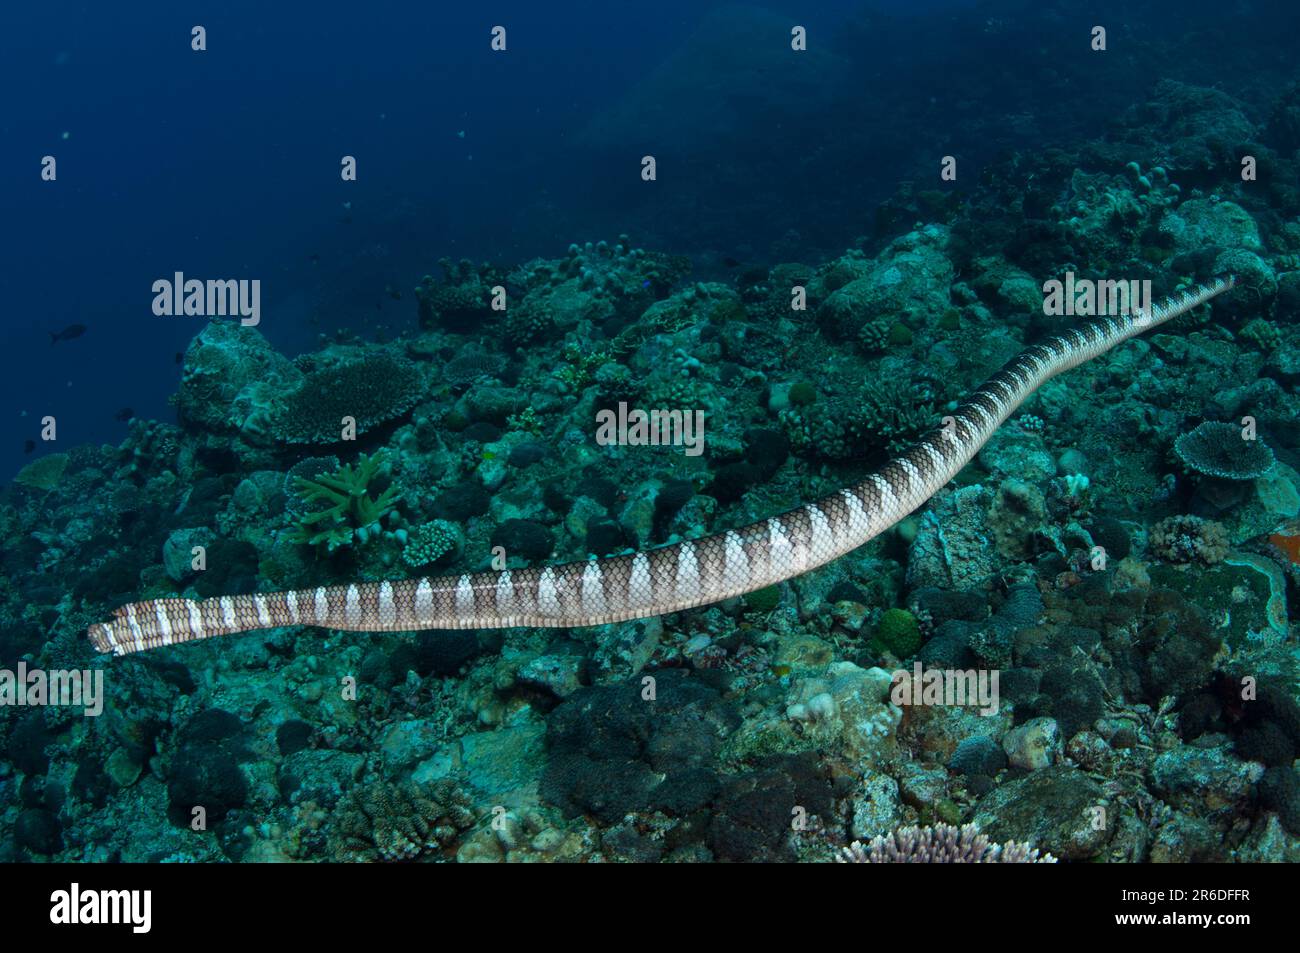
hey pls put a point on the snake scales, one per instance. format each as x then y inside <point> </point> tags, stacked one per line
<point>670,578</point>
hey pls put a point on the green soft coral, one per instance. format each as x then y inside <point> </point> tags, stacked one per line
<point>351,510</point>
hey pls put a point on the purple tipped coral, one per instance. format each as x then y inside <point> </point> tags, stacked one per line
<point>940,844</point>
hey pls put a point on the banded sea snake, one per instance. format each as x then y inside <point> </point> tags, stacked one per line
<point>680,576</point>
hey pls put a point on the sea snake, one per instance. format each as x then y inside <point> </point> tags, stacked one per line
<point>690,573</point>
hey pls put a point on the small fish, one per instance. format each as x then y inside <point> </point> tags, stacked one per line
<point>393,293</point>
<point>179,357</point>
<point>126,413</point>
<point>730,262</point>
<point>67,334</point>
<point>29,446</point>
<point>314,259</point>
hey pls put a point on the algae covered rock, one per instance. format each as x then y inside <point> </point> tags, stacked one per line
<point>1198,223</point>
<point>909,281</point>
<point>231,380</point>
<point>1053,809</point>
<point>951,549</point>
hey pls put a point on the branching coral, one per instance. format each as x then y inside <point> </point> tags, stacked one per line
<point>351,510</point>
<point>432,543</point>
<point>884,417</point>
<point>1188,539</point>
<point>401,821</point>
<point>940,844</point>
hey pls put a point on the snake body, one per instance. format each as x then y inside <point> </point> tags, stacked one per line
<point>690,573</point>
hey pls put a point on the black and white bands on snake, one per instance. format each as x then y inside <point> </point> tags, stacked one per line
<point>686,574</point>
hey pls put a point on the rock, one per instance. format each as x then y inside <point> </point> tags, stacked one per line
<point>977,755</point>
<point>500,456</point>
<point>39,831</point>
<point>951,549</point>
<point>560,675</point>
<point>1276,492</point>
<point>492,404</point>
<point>122,768</point>
<point>1284,364</point>
<point>1018,512</point>
<point>409,742</point>
<point>818,708</point>
<point>803,652</point>
<point>1071,461</point>
<point>909,280</point>
<point>1200,223</point>
<point>1197,780</point>
<point>1018,453</point>
<point>1185,840</point>
<point>177,551</point>
<point>923,786</point>
<point>860,722</point>
<point>581,514</point>
<point>1252,272</point>
<point>318,774</point>
<point>230,379</point>
<point>1034,745</point>
<point>508,759</point>
<point>1052,809</point>
<point>850,615</point>
<point>876,808</point>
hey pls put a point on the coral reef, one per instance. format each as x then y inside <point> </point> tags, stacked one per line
<point>1120,570</point>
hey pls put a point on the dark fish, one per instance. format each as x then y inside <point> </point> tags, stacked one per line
<point>731,262</point>
<point>393,293</point>
<point>179,357</point>
<point>67,334</point>
<point>29,446</point>
<point>314,259</point>
<point>126,413</point>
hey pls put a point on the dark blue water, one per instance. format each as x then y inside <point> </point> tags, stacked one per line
<point>226,163</point>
